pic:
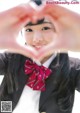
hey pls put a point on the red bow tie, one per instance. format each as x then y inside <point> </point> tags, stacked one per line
<point>38,74</point>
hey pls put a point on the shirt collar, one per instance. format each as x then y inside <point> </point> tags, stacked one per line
<point>48,62</point>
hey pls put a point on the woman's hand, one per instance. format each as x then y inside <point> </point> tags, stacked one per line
<point>67,26</point>
<point>11,23</point>
<point>66,22</point>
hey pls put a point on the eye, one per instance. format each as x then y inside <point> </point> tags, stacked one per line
<point>46,28</point>
<point>28,30</point>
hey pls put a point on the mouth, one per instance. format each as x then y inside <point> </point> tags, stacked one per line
<point>38,47</point>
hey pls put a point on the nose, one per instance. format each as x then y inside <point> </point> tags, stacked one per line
<point>38,37</point>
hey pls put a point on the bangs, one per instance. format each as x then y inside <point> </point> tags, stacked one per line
<point>38,22</point>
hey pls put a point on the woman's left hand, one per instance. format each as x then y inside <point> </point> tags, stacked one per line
<point>67,26</point>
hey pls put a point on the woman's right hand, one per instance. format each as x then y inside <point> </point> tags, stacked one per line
<point>11,23</point>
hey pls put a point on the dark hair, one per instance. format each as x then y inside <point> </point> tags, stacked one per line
<point>41,21</point>
<point>38,2</point>
<point>10,81</point>
<point>65,84</point>
<point>66,87</point>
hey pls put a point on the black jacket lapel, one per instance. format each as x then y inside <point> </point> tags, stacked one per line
<point>52,81</point>
<point>22,80</point>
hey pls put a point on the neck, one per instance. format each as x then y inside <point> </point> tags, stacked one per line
<point>45,59</point>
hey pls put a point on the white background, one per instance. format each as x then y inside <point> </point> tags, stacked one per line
<point>6,4</point>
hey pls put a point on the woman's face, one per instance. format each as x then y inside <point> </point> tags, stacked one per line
<point>39,35</point>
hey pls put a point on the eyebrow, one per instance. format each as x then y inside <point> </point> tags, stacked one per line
<point>36,24</point>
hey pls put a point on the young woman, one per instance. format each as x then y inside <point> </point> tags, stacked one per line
<point>25,82</point>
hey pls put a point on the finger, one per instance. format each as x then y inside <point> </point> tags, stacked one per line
<point>23,11</point>
<point>51,48</point>
<point>28,51</point>
<point>19,11</point>
<point>53,10</point>
<point>16,14</point>
<point>56,11</point>
<point>24,50</point>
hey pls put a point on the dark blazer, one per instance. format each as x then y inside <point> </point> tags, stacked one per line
<point>67,72</point>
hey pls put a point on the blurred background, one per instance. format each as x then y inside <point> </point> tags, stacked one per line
<point>6,4</point>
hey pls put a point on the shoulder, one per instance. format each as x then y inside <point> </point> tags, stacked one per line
<point>11,58</point>
<point>74,62</point>
<point>69,65</point>
<point>7,55</point>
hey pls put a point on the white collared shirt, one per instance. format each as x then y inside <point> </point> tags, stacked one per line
<point>29,100</point>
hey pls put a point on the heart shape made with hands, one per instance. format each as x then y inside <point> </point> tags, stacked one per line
<point>65,28</point>
<point>50,48</point>
<point>62,20</point>
<point>15,19</point>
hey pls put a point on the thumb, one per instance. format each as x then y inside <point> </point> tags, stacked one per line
<point>27,51</point>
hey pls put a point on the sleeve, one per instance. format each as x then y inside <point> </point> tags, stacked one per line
<point>3,63</point>
<point>77,74</point>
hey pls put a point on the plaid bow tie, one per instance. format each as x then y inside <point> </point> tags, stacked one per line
<point>38,74</point>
